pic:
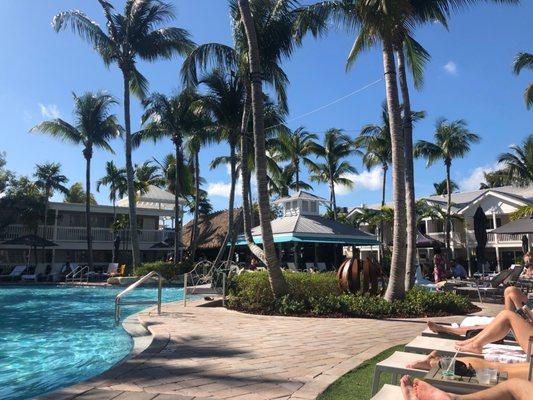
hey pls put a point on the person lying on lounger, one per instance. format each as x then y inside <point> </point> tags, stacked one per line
<point>514,299</point>
<point>512,389</point>
<point>518,370</point>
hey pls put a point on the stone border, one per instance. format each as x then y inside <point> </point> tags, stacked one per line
<point>144,343</point>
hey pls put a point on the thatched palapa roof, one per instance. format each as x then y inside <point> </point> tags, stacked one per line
<point>213,228</point>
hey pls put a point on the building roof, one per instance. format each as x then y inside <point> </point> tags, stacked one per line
<point>519,226</point>
<point>461,200</point>
<point>212,229</point>
<point>314,228</point>
<point>300,195</point>
<point>155,197</point>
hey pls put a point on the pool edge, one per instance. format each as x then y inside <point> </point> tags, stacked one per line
<point>145,343</point>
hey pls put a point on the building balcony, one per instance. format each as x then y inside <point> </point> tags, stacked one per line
<point>493,239</point>
<point>79,234</point>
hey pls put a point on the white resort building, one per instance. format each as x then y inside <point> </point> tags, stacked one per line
<point>497,203</point>
<point>67,229</point>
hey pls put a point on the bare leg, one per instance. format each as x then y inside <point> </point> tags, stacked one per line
<point>512,389</point>
<point>426,364</point>
<point>499,328</point>
<point>518,370</point>
<point>459,331</point>
<point>514,298</point>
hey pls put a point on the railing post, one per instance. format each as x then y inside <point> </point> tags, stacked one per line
<point>159,290</point>
<point>185,278</point>
<point>224,289</point>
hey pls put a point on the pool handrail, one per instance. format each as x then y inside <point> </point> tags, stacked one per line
<point>74,274</point>
<point>119,296</point>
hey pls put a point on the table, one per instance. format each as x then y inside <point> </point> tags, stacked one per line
<point>459,384</point>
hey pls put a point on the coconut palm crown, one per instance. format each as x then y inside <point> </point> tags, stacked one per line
<point>519,162</point>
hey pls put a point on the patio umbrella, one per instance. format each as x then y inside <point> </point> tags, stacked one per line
<point>525,244</point>
<point>31,241</point>
<point>480,232</point>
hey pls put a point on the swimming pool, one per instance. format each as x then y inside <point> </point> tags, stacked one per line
<point>55,336</point>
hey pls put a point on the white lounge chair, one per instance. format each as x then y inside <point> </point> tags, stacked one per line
<point>309,266</point>
<point>396,365</point>
<point>321,266</point>
<point>40,270</point>
<point>423,282</point>
<point>389,392</point>
<point>292,267</point>
<point>15,273</point>
<point>55,272</point>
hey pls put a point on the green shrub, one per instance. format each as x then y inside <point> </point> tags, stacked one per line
<point>319,295</point>
<point>167,270</point>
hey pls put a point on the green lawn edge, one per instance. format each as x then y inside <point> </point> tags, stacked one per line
<point>357,384</point>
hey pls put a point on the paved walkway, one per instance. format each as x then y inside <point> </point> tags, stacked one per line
<point>201,352</point>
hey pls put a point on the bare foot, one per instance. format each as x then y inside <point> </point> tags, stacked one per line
<point>407,388</point>
<point>470,347</point>
<point>427,363</point>
<point>433,327</point>
<point>424,391</point>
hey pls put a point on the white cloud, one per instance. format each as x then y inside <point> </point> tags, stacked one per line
<point>369,180</point>
<point>451,68</point>
<point>222,189</point>
<point>49,111</point>
<point>476,177</point>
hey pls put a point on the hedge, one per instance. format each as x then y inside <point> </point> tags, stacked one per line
<point>167,270</point>
<point>319,295</point>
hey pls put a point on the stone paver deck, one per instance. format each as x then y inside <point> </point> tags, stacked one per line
<point>201,352</point>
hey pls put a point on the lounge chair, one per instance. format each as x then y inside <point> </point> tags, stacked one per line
<point>112,270</point>
<point>40,271</point>
<point>490,287</point>
<point>55,272</point>
<point>292,267</point>
<point>310,266</point>
<point>423,282</point>
<point>389,392</point>
<point>15,273</point>
<point>396,365</point>
<point>321,266</point>
<point>514,276</point>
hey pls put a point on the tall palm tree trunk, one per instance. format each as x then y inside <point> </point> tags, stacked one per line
<point>194,234</point>
<point>396,286</point>
<point>88,209</point>
<point>45,222</point>
<point>448,207</point>
<point>333,199</point>
<point>297,172</point>
<point>410,259</point>
<point>135,252</point>
<point>247,212</point>
<point>277,281</point>
<point>177,192</point>
<point>381,227</point>
<point>113,255</point>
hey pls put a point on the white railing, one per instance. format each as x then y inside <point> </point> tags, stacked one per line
<point>79,234</point>
<point>492,238</point>
<point>119,302</point>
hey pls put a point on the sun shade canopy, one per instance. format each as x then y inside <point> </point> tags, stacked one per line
<point>524,225</point>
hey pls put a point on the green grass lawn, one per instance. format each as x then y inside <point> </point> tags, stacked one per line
<point>357,384</point>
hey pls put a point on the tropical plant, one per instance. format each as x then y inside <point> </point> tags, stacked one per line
<point>518,162</point>
<point>49,180</point>
<point>147,174</point>
<point>521,61</point>
<point>135,34</point>
<point>494,179</point>
<point>522,212</point>
<point>334,168</point>
<point>295,146</point>
<point>94,127</point>
<point>441,188</point>
<point>452,140</point>
<point>5,175</point>
<point>174,117</point>
<point>115,178</point>
<point>77,195</point>
<point>277,281</point>
<point>282,180</point>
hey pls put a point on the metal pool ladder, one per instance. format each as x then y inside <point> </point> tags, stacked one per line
<point>119,302</point>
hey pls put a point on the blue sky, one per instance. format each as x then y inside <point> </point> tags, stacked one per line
<point>468,77</point>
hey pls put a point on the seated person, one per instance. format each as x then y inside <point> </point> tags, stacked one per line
<point>458,271</point>
<point>512,389</point>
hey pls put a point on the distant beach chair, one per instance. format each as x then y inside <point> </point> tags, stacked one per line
<point>40,270</point>
<point>310,266</point>
<point>15,273</point>
<point>292,267</point>
<point>485,288</point>
<point>55,272</point>
<point>321,266</point>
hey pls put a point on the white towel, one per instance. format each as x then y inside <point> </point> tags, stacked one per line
<point>474,321</point>
<point>504,353</point>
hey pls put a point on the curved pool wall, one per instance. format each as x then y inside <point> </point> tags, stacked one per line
<point>56,336</point>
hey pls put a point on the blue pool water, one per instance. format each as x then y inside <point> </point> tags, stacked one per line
<point>51,337</point>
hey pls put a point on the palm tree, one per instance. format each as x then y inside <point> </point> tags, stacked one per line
<point>521,61</point>
<point>135,34</point>
<point>77,195</point>
<point>441,188</point>
<point>115,178</point>
<point>452,139</point>
<point>277,281</point>
<point>282,180</point>
<point>333,170</point>
<point>49,179</point>
<point>94,127</point>
<point>519,162</point>
<point>496,179</point>
<point>174,117</point>
<point>147,174</point>
<point>295,146</point>
<point>224,102</point>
